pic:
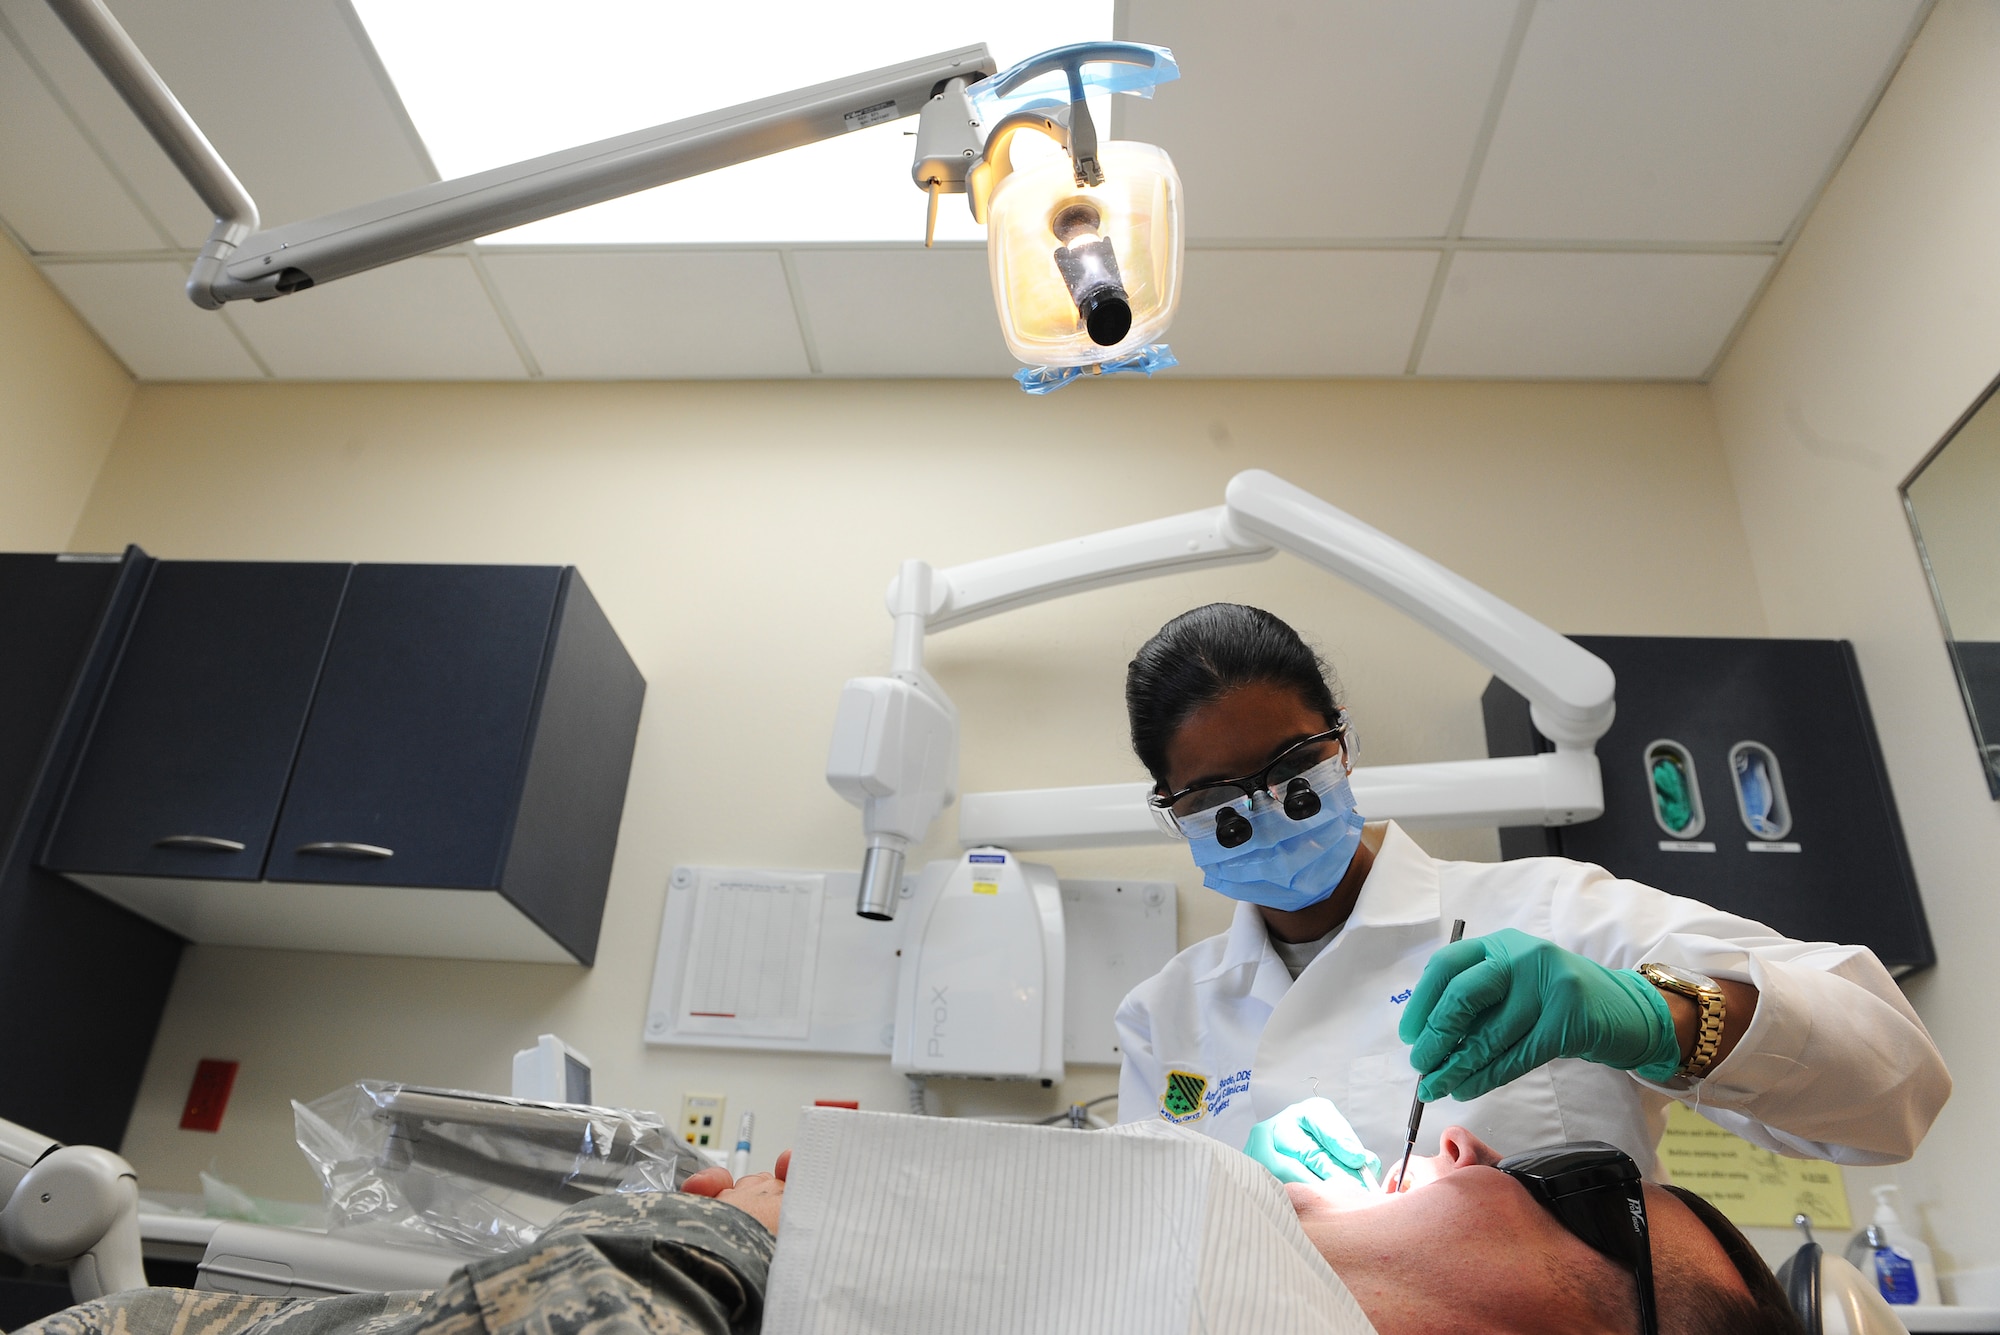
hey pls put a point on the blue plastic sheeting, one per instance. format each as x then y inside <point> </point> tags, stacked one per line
<point>1047,379</point>
<point>1051,88</point>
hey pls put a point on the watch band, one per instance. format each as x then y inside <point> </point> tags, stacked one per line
<point>1710,1006</point>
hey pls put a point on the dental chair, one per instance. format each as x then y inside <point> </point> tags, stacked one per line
<point>77,1207</point>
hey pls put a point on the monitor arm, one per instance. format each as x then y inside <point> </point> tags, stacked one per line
<point>70,1205</point>
<point>902,776</point>
<point>240,261</point>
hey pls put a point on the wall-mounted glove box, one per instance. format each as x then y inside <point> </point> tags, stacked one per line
<point>385,759</point>
<point>1745,774</point>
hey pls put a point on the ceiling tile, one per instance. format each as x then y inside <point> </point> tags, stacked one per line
<point>55,192</point>
<point>911,312</point>
<point>285,92</point>
<point>1300,312</point>
<point>1702,120</point>
<point>131,150</point>
<point>423,319</point>
<point>652,314</point>
<point>1587,315</point>
<point>140,310</point>
<point>1328,120</point>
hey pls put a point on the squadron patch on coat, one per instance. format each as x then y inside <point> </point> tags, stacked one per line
<point>1181,1101</point>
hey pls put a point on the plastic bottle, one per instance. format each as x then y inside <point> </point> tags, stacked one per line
<point>1889,1254</point>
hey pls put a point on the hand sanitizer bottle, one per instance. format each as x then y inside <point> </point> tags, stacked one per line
<point>1898,1262</point>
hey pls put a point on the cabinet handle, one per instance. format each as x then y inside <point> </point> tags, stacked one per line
<point>337,848</point>
<point>201,843</point>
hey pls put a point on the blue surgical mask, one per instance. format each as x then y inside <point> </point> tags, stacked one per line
<point>1286,864</point>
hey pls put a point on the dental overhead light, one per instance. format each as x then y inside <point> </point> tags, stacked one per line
<point>1084,247</point>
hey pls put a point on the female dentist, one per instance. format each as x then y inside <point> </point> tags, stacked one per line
<point>1575,1008</point>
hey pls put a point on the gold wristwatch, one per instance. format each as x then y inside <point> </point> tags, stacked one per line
<point>1707,997</point>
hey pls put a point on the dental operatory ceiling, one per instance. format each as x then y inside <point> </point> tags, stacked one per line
<point>1467,188</point>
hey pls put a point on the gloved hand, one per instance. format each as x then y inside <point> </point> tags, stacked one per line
<point>1492,1009</point>
<point>1311,1142</point>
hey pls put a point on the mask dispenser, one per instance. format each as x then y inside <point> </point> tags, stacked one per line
<point>979,990</point>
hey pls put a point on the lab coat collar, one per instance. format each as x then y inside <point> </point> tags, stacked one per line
<point>1401,889</point>
<point>1402,886</point>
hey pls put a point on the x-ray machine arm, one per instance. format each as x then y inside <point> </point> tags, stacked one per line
<point>895,746</point>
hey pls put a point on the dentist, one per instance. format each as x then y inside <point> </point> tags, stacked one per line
<point>1576,1008</point>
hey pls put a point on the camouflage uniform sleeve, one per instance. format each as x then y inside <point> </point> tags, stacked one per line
<point>645,1263</point>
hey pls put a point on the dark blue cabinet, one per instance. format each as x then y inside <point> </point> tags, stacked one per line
<point>412,761</point>
<point>415,759</point>
<point>194,739</point>
<point>83,982</point>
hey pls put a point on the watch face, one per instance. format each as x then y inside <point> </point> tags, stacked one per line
<point>1686,977</point>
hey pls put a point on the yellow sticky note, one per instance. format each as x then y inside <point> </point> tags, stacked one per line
<point>986,887</point>
<point>1755,1187</point>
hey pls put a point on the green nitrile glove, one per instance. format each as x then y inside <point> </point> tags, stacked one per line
<point>1312,1142</point>
<point>1492,1009</point>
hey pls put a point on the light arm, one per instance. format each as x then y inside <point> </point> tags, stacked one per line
<point>998,584</point>
<point>1570,690</point>
<point>240,262</point>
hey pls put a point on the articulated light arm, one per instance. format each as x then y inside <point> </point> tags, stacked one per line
<point>239,261</point>
<point>1569,689</point>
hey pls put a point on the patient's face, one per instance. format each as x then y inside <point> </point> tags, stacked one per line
<point>1468,1249</point>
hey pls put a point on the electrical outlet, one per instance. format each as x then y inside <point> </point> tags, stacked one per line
<point>701,1120</point>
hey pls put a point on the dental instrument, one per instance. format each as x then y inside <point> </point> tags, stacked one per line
<point>1417,1099</point>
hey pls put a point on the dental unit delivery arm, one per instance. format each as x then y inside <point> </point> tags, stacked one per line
<point>239,261</point>
<point>70,1205</point>
<point>903,776</point>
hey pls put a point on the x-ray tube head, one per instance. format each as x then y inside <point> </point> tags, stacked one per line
<point>1089,268</point>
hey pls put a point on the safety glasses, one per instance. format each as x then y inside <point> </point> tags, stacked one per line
<point>1594,1191</point>
<point>1195,810</point>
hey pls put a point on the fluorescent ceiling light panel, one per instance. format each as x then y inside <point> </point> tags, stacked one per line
<point>489,82</point>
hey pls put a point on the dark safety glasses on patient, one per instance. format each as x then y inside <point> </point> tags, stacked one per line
<point>1283,780</point>
<point>1594,1191</point>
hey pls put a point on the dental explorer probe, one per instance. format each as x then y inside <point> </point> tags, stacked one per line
<point>1417,1103</point>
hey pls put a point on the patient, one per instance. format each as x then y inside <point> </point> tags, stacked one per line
<point>1467,1249</point>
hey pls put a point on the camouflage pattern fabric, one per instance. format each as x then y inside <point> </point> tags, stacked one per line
<point>645,1263</point>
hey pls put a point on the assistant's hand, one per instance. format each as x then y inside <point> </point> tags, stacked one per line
<point>759,1195</point>
<point>1311,1142</point>
<point>1492,1009</point>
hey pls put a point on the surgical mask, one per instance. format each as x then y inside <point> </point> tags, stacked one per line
<point>1286,864</point>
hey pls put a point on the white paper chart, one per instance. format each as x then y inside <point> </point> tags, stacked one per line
<point>752,950</point>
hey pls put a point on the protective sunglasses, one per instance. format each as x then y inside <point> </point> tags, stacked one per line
<point>1595,1192</point>
<point>1283,780</point>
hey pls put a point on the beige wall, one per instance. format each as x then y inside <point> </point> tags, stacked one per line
<point>61,398</point>
<point>1882,327</point>
<point>740,536</point>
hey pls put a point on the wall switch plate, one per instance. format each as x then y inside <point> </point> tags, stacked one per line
<point>701,1120</point>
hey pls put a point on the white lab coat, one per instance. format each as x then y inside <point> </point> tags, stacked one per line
<point>1835,1065</point>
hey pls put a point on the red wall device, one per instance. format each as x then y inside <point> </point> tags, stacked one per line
<point>208,1095</point>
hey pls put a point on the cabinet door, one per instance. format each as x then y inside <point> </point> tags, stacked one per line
<point>186,763</point>
<point>411,766</point>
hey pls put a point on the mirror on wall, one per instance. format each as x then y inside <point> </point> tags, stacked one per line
<point>1953,500</point>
